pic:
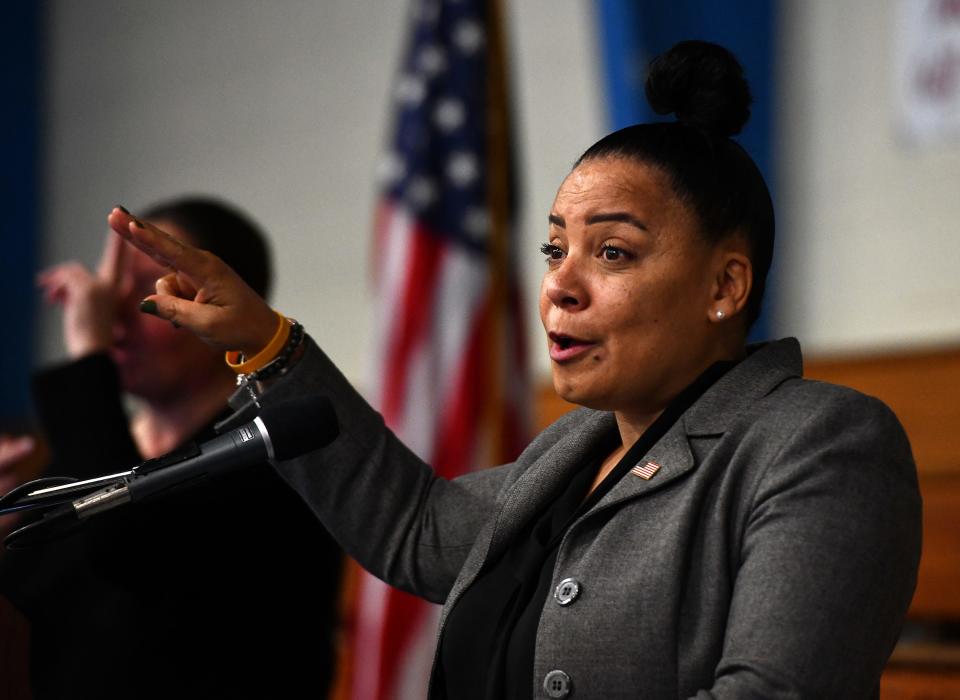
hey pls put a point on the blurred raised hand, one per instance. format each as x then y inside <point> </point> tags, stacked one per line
<point>200,293</point>
<point>88,299</point>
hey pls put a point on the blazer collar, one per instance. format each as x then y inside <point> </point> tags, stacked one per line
<point>766,366</point>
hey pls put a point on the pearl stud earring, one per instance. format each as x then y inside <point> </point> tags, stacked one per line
<point>720,314</point>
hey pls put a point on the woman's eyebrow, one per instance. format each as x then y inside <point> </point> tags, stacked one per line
<point>622,217</point>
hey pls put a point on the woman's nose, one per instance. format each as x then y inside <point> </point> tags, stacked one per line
<point>564,287</point>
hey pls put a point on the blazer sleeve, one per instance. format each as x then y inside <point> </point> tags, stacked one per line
<point>381,502</point>
<point>828,559</point>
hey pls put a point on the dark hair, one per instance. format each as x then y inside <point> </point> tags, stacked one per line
<point>223,230</point>
<point>704,86</point>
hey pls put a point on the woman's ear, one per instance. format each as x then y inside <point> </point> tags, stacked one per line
<point>733,279</point>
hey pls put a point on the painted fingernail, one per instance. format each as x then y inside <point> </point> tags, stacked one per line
<point>139,223</point>
<point>149,306</point>
<point>123,209</point>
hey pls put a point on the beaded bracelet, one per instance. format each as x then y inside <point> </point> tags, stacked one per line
<point>280,363</point>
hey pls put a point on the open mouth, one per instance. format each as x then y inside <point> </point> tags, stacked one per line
<point>566,341</point>
<point>564,347</point>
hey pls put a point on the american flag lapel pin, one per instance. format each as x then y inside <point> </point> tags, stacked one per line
<point>646,470</point>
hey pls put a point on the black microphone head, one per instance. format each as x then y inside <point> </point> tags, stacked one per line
<point>300,425</point>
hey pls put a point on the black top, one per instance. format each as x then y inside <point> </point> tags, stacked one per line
<point>488,644</point>
<point>227,589</point>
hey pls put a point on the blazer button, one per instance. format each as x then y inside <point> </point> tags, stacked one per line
<point>567,591</point>
<point>557,684</point>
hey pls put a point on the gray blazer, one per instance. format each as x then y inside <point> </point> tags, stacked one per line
<point>773,555</point>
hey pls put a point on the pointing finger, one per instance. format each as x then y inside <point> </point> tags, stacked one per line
<point>159,245</point>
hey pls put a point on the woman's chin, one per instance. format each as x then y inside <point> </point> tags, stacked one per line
<point>576,392</point>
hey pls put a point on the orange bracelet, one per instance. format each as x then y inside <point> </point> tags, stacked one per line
<point>238,364</point>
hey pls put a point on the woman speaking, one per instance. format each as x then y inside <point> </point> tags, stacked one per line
<point>709,525</point>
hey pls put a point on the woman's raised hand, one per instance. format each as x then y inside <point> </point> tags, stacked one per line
<point>200,293</point>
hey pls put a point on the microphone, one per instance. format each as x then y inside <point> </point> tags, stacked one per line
<point>281,431</point>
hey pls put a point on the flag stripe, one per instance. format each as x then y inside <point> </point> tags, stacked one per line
<point>402,613</point>
<point>645,471</point>
<point>460,418</point>
<point>413,319</point>
<point>391,253</point>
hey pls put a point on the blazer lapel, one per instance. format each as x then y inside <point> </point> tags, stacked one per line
<point>544,480</point>
<point>666,461</point>
<point>535,487</point>
<point>733,396</point>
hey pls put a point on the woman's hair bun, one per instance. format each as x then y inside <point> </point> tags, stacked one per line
<point>703,84</point>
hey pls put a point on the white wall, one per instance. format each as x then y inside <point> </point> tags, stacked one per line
<point>869,224</point>
<point>282,108</point>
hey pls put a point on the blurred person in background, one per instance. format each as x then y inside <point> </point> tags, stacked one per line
<point>229,590</point>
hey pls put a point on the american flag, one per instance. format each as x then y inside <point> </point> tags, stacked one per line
<point>645,471</point>
<point>450,372</point>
